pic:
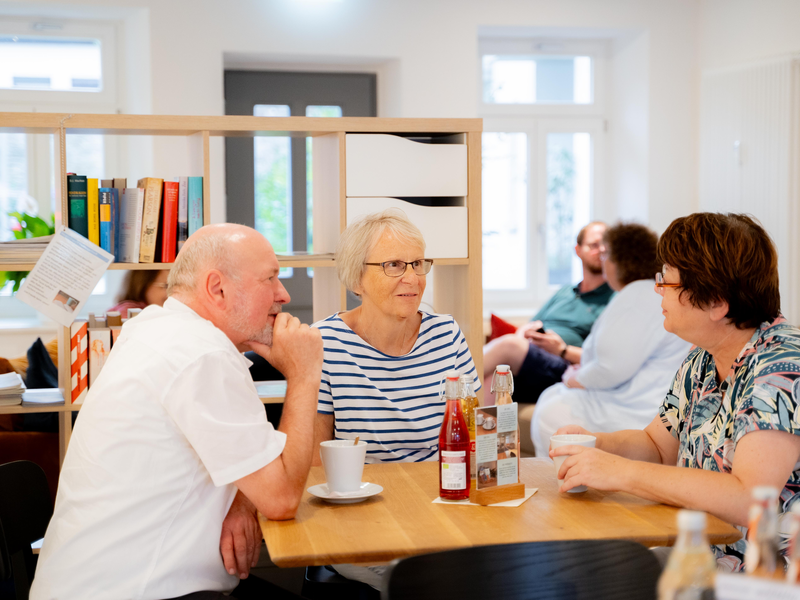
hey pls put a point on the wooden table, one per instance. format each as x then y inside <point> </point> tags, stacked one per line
<point>402,521</point>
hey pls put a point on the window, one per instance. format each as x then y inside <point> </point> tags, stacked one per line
<point>50,63</point>
<point>54,66</point>
<point>542,104</point>
<point>509,79</point>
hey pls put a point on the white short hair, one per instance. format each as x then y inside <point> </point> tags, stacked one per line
<point>210,251</point>
<point>358,240</point>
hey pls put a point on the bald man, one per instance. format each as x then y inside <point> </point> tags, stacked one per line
<point>147,503</point>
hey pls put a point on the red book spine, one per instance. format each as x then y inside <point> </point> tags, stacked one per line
<point>169,222</point>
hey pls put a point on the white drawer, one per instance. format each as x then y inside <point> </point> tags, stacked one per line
<point>388,165</point>
<point>443,227</point>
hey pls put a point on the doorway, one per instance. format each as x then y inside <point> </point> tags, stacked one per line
<point>268,178</point>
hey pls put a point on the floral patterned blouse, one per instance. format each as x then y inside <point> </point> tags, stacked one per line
<point>762,391</point>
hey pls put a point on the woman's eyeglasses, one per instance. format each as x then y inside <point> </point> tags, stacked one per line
<point>397,268</point>
<point>661,284</point>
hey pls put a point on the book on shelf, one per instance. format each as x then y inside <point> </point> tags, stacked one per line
<point>77,211</point>
<point>79,360</point>
<point>169,222</point>
<point>108,184</point>
<point>183,211</point>
<point>130,224</point>
<point>106,201</point>
<point>93,210</point>
<point>11,389</point>
<point>152,207</point>
<point>99,349</point>
<point>195,204</point>
<point>24,251</point>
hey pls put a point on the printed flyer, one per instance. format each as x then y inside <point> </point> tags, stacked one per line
<point>496,445</point>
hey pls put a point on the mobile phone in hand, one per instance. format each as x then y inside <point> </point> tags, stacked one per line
<point>540,330</point>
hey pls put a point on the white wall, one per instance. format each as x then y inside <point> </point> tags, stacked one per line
<point>425,53</point>
<point>739,31</point>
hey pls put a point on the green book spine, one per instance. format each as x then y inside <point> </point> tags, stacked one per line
<point>78,217</point>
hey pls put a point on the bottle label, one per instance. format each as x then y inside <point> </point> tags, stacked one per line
<point>454,470</point>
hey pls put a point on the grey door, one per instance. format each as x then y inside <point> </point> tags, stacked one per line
<point>268,178</point>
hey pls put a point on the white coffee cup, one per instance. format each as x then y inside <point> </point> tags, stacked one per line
<point>479,419</point>
<point>570,439</point>
<point>343,463</point>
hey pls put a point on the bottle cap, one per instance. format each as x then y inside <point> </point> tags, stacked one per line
<point>452,375</point>
<point>691,520</point>
<point>466,378</point>
<point>765,492</point>
<point>502,369</point>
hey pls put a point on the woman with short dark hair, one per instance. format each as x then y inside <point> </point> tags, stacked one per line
<point>628,360</point>
<point>730,419</point>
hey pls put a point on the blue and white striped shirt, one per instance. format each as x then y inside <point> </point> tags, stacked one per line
<point>391,402</point>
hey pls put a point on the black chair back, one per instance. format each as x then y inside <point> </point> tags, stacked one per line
<point>25,511</point>
<point>563,570</point>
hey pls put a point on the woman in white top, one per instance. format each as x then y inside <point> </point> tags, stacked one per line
<point>384,361</point>
<point>628,360</point>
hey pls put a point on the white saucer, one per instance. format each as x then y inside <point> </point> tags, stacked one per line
<point>367,490</point>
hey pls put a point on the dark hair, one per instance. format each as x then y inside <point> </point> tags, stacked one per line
<point>632,248</point>
<point>582,232</point>
<point>135,285</point>
<point>726,257</point>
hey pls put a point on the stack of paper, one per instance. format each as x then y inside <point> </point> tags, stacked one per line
<point>42,396</point>
<point>11,388</point>
<point>25,251</point>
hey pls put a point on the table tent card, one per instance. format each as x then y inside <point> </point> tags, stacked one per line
<point>497,454</point>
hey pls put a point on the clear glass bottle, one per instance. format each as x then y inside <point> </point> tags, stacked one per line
<point>691,568</point>
<point>453,445</point>
<point>503,388</point>
<point>760,558</point>
<point>469,402</point>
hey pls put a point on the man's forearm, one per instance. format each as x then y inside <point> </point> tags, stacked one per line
<point>297,422</point>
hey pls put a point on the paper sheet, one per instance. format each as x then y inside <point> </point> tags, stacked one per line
<point>64,276</point>
<point>512,503</point>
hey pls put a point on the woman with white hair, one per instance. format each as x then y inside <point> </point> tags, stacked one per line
<point>384,360</point>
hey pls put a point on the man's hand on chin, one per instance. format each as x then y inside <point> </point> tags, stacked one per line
<point>240,541</point>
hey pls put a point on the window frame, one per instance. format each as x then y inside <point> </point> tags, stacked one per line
<point>41,158</point>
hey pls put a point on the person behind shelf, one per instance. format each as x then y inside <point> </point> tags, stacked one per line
<point>628,360</point>
<point>729,420</point>
<point>538,360</point>
<point>384,361</point>
<point>147,503</point>
<point>140,289</point>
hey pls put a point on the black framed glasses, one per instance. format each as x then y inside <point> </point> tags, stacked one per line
<point>397,268</point>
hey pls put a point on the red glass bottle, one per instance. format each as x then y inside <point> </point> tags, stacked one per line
<point>453,445</point>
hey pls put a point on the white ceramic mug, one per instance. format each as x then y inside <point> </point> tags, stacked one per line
<point>343,463</point>
<point>570,439</point>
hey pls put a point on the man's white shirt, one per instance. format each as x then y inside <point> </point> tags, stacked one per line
<point>172,420</point>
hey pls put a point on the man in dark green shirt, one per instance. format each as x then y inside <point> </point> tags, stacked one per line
<point>541,350</point>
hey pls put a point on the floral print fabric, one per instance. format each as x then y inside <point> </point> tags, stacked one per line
<point>762,391</point>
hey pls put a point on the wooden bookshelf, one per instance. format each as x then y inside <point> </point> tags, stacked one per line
<point>457,282</point>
